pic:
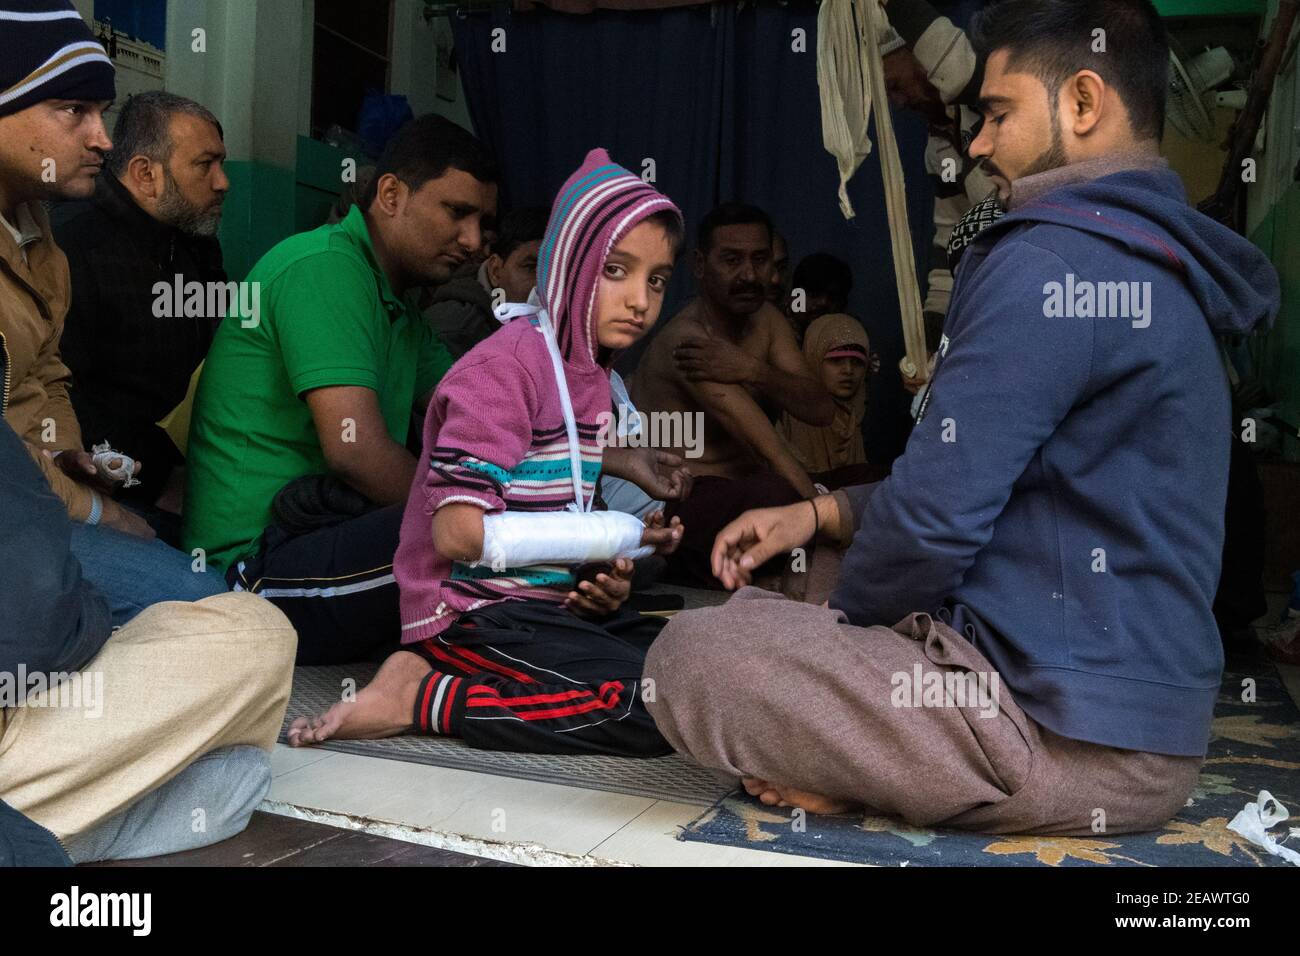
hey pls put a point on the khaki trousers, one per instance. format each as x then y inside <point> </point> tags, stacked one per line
<point>179,680</point>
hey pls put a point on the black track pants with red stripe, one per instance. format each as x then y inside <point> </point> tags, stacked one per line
<point>534,677</point>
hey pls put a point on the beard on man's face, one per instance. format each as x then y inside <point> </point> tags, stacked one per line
<point>177,211</point>
<point>1053,157</point>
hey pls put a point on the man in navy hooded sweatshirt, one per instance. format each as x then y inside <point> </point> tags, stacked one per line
<point>1021,637</point>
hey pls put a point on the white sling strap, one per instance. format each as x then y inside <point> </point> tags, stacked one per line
<point>512,310</point>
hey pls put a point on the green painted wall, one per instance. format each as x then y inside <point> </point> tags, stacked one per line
<point>255,73</point>
<point>267,204</point>
<point>319,180</point>
<point>259,212</point>
<point>1210,8</point>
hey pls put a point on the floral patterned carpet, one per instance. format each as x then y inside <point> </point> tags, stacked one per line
<point>1255,746</point>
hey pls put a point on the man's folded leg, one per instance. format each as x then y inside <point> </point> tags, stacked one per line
<point>180,681</point>
<point>335,585</point>
<point>209,801</point>
<point>135,573</point>
<point>793,695</point>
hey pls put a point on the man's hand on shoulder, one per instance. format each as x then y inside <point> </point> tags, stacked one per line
<point>706,358</point>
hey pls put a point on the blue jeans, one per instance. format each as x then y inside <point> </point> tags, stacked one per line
<point>133,573</point>
<point>207,802</point>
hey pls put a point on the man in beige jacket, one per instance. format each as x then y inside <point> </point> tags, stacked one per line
<point>150,738</point>
<point>53,91</point>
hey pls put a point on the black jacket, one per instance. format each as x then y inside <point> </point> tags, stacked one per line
<point>26,843</point>
<point>461,311</point>
<point>51,619</point>
<point>130,368</point>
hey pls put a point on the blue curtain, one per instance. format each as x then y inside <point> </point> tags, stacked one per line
<point>726,108</point>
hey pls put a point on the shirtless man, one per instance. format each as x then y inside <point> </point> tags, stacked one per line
<point>731,355</point>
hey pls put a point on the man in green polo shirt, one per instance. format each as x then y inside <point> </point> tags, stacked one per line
<point>322,381</point>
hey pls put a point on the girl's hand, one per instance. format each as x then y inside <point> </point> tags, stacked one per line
<point>664,539</point>
<point>662,475</point>
<point>604,595</point>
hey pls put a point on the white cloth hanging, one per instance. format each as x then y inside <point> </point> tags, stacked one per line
<point>850,79</point>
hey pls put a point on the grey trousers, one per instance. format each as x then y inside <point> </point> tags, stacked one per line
<point>793,694</point>
<point>207,802</point>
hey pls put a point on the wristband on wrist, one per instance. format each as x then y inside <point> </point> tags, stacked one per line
<point>817,521</point>
<point>96,509</point>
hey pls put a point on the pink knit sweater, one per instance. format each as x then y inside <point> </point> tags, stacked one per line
<point>495,434</point>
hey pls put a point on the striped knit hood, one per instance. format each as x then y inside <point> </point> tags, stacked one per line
<point>594,209</point>
<point>47,52</point>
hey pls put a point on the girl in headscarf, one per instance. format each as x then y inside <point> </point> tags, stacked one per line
<point>837,349</point>
<point>512,641</point>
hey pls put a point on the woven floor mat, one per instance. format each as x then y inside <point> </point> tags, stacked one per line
<point>665,778</point>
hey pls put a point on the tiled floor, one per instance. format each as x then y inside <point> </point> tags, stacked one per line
<point>502,818</point>
<point>506,819</point>
<point>499,817</point>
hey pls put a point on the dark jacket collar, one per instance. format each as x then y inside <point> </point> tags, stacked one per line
<point>1031,188</point>
<point>118,203</point>
<point>161,239</point>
